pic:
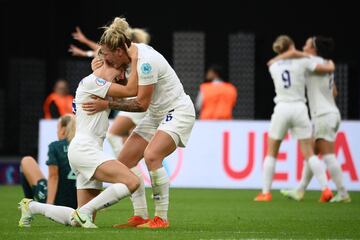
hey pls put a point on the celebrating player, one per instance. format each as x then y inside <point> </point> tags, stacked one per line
<point>291,113</point>
<point>91,165</point>
<point>167,124</point>
<point>325,116</point>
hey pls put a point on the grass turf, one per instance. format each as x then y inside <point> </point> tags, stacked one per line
<point>202,214</point>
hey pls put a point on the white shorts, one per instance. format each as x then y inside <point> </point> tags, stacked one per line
<point>177,122</point>
<point>135,117</point>
<point>326,126</point>
<point>85,155</point>
<point>293,116</point>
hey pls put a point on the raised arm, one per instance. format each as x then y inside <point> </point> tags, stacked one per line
<point>80,36</point>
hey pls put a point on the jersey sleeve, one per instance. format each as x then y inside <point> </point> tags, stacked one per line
<point>147,72</point>
<point>97,86</point>
<point>310,64</point>
<point>52,155</point>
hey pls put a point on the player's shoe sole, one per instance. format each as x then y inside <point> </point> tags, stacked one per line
<point>132,222</point>
<point>26,216</point>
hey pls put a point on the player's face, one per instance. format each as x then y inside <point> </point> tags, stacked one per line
<point>115,58</point>
<point>308,47</point>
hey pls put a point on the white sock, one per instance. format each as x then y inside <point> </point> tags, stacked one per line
<point>111,195</point>
<point>160,182</point>
<point>59,214</point>
<point>318,171</point>
<point>116,143</point>
<point>336,173</point>
<point>138,197</point>
<point>268,172</point>
<point>306,177</point>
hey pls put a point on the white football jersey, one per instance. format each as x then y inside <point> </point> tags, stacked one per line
<point>320,91</point>
<point>93,125</point>
<point>154,69</point>
<point>289,78</point>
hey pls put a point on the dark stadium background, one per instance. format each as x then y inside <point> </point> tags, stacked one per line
<point>32,31</point>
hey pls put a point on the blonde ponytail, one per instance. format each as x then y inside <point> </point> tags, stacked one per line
<point>282,44</point>
<point>116,35</point>
<point>68,122</point>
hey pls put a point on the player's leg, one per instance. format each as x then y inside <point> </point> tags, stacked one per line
<point>86,195</point>
<point>29,208</point>
<point>119,130</point>
<point>34,178</point>
<point>130,155</point>
<point>124,183</point>
<point>316,167</point>
<point>277,130</point>
<point>161,145</point>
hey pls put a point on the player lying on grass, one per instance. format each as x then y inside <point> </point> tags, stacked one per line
<point>60,187</point>
<point>87,158</point>
<point>325,116</point>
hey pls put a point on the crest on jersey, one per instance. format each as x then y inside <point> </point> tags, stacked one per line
<point>146,68</point>
<point>100,82</point>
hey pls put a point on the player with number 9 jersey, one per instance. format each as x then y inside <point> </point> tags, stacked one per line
<point>291,113</point>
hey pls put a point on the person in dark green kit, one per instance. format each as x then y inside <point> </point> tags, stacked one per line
<point>60,187</point>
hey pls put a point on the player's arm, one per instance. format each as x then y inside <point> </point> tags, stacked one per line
<point>335,91</point>
<point>288,54</point>
<point>327,67</point>
<point>80,36</point>
<point>52,183</point>
<point>138,104</point>
<point>128,90</point>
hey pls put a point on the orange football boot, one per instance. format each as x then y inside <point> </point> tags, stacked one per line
<point>156,222</point>
<point>263,197</point>
<point>326,195</point>
<point>134,221</point>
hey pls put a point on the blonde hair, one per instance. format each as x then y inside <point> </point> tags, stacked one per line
<point>116,35</point>
<point>282,44</point>
<point>68,122</point>
<point>139,35</point>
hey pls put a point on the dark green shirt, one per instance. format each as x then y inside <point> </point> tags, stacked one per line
<point>66,190</point>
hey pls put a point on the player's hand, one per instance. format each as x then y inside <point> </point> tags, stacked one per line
<point>96,63</point>
<point>132,51</point>
<point>75,51</point>
<point>96,105</point>
<point>78,35</point>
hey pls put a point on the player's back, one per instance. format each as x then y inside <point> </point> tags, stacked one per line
<point>92,125</point>
<point>320,92</point>
<point>289,79</point>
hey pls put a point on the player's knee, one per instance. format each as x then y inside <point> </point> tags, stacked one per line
<point>26,160</point>
<point>150,157</point>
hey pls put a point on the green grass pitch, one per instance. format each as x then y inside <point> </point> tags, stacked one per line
<point>203,214</point>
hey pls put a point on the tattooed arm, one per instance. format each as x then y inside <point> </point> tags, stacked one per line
<point>138,104</point>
